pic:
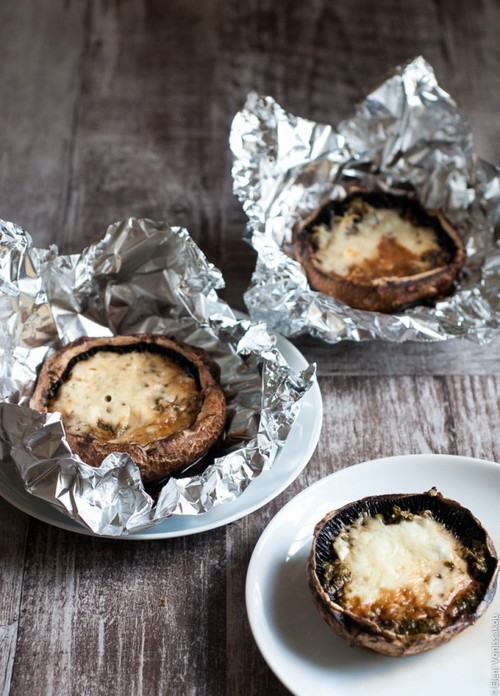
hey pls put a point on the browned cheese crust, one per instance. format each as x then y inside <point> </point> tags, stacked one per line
<point>160,457</point>
<point>382,289</point>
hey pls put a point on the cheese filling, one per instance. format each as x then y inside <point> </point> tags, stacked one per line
<point>367,243</point>
<point>132,397</point>
<point>402,572</point>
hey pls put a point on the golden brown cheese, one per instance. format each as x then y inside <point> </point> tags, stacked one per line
<point>412,569</point>
<point>377,243</point>
<point>127,397</point>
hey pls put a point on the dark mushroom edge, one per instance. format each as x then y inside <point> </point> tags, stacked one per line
<point>159,459</point>
<point>327,575</point>
<point>388,293</point>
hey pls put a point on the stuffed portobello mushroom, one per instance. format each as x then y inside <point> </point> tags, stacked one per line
<point>157,399</point>
<point>401,574</point>
<point>379,252</point>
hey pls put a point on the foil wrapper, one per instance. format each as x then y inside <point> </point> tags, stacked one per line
<point>143,276</point>
<point>408,135</point>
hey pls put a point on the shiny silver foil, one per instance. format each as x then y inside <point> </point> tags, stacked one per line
<point>143,276</point>
<point>407,135</point>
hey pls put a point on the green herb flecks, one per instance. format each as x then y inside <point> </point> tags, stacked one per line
<point>336,574</point>
<point>475,553</point>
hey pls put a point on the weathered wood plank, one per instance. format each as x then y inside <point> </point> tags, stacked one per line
<point>371,358</point>
<point>112,618</point>
<point>368,418</point>
<point>41,46</point>
<point>475,411</point>
<point>14,526</point>
<point>246,669</point>
<point>470,35</point>
<point>149,141</point>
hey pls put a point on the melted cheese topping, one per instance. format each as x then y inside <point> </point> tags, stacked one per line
<point>376,243</point>
<point>411,569</point>
<point>127,397</point>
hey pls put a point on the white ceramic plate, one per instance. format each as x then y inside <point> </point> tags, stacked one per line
<point>292,459</point>
<point>293,638</point>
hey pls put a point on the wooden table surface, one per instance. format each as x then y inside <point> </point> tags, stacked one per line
<point>111,109</point>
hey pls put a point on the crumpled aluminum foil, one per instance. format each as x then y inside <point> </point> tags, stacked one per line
<point>408,134</point>
<point>143,276</point>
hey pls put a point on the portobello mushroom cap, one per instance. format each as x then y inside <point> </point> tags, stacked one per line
<point>358,630</point>
<point>158,457</point>
<point>382,289</point>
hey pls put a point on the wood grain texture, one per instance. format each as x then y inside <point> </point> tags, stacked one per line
<point>470,38</point>
<point>40,54</point>
<point>458,356</point>
<point>14,526</point>
<point>121,618</point>
<point>246,670</point>
<point>374,417</point>
<point>115,108</point>
<point>475,411</point>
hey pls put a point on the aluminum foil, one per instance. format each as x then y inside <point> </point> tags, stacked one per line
<point>408,135</point>
<point>143,276</point>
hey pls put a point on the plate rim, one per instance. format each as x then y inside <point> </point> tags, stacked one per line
<point>268,531</point>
